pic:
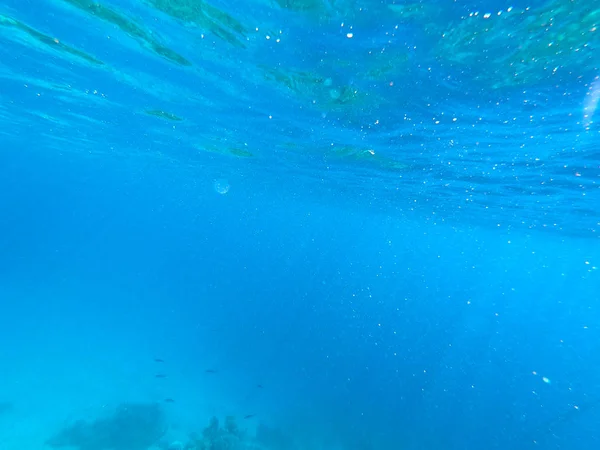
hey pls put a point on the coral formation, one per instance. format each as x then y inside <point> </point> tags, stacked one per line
<point>217,437</point>
<point>143,427</point>
<point>131,427</point>
<point>229,436</point>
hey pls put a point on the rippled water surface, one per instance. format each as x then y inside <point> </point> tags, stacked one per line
<point>473,113</point>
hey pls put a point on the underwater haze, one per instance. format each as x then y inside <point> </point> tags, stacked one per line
<point>299,225</point>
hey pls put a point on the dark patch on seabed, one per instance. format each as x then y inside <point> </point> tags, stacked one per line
<point>5,408</point>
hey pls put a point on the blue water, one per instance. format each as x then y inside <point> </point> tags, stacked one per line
<point>320,223</point>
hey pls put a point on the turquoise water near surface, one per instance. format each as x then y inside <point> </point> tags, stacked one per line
<point>343,225</point>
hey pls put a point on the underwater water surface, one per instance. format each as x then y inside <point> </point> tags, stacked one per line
<point>299,225</point>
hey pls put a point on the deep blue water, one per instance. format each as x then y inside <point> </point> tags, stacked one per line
<point>365,241</point>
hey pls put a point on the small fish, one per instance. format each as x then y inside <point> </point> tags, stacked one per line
<point>249,416</point>
<point>260,386</point>
<point>169,400</point>
<point>158,360</point>
<point>210,371</point>
<point>160,375</point>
